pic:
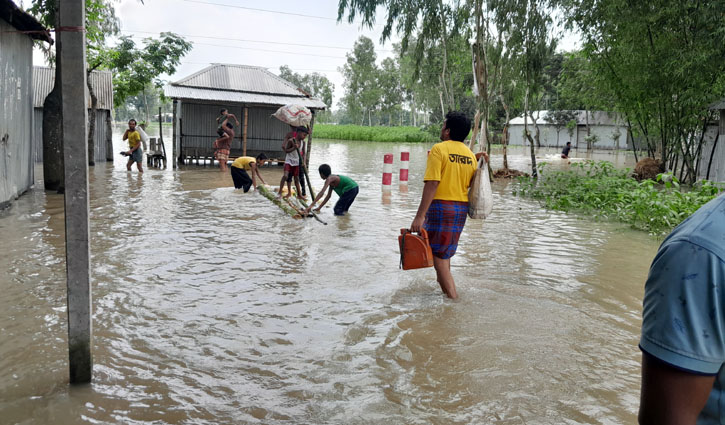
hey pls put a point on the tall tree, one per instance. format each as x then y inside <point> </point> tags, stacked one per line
<point>391,89</point>
<point>528,22</point>
<point>362,94</point>
<point>314,84</point>
<point>662,64</point>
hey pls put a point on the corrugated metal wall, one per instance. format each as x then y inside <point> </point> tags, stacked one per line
<point>264,133</point>
<point>16,113</point>
<point>717,170</point>
<point>99,136</point>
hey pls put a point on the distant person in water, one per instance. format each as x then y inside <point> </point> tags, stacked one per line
<point>134,153</point>
<point>239,168</point>
<point>565,151</point>
<point>223,144</point>
<point>344,186</point>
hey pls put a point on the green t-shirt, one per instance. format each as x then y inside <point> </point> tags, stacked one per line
<point>346,183</point>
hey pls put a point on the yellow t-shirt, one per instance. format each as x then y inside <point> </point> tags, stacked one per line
<point>452,164</point>
<point>243,162</point>
<point>134,138</point>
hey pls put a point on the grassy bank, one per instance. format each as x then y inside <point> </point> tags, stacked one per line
<point>597,189</point>
<point>373,134</point>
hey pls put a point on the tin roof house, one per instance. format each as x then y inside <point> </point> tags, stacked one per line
<point>102,83</point>
<point>17,32</point>
<point>590,129</point>
<point>251,93</point>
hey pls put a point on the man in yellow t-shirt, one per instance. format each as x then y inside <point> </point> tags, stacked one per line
<point>134,153</point>
<point>241,165</point>
<point>444,205</point>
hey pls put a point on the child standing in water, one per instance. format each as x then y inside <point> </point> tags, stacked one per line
<point>223,144</point>
<point>344,186</point>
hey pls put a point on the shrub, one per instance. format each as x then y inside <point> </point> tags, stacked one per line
<point>599,190</point>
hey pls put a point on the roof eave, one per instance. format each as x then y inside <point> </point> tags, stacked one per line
<point>23,21</point>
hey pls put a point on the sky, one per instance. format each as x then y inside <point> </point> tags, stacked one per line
<point>252,32</point>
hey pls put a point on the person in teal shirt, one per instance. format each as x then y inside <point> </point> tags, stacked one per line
<point>344,186</point>
<point>683,324</point>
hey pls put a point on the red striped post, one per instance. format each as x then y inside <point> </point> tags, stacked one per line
<point>404,160</point>
<point>387,171</point>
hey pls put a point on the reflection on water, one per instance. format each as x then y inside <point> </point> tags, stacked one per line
<point>211,306</point>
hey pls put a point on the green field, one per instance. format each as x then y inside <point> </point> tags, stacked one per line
<point>373,134</point>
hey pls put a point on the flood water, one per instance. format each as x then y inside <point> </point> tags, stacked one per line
<point>212,307</point>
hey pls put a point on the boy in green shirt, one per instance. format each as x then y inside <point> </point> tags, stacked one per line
<point>344,186</point>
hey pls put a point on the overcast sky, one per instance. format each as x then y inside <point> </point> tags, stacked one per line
<point>254,32</point>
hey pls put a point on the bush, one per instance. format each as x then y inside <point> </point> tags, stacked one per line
<point>600,190</point>
<point>373,134</point>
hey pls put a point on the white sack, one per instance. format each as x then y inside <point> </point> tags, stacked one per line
<point>480,197</point>
<point>296,115</point>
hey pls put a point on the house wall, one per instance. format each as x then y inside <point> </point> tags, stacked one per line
<point>16,113</point>
<point>99,137</point>
<point>717,169</point>
<point>549,136</point>
<point>198,129</point>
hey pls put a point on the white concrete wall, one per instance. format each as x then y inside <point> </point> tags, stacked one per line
<point>548,136</point>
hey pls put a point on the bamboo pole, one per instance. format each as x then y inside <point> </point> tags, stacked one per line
<point>244,132</point>
<point>264,190</point>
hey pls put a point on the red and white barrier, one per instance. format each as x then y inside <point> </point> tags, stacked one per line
<point>387,171</point>
<point>404,160</point>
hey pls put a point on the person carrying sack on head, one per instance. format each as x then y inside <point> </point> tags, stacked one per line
<point>444,204</point>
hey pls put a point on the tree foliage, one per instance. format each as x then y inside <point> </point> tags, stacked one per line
<point>661,64</point>
<point>314,84</point>
<point>135,67</point>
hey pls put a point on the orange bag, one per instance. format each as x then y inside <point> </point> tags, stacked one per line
<point>415,252</point>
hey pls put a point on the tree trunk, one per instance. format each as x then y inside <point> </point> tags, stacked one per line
<point>91,122</point>
<point>476,119</point>
<point>53,175</point>
<point>534,173</point>
<point>109,137</point>
<point>146,107</point>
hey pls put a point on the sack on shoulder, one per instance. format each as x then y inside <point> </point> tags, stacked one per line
<point>480,196</point>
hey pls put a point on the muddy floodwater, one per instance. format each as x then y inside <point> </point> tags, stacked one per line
<point>210,306</point>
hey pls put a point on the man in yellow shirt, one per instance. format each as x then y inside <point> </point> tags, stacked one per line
<point>444,205</point>
<point>134,153</point>
<point>239,171</point>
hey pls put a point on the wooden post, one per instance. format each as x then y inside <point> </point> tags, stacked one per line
<point>173,134</point>
<point>75,156</point>
<point>244,132</point>
<point>309,141</point>
<point>109,137</point>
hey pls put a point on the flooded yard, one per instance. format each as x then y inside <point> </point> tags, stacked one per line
<point>212,306</point>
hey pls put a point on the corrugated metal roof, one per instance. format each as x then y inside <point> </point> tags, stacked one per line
<point>211,95</point>
<point>720,104</point>
<point>23,21</point>
<point>595,118</point>
<point>239,83</point>
<point>101,81</point>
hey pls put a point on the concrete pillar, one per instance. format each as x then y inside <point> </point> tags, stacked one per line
<point>75,155</point>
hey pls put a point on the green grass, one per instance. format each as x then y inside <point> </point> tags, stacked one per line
<point>599,190</point>
<point>373,134</point>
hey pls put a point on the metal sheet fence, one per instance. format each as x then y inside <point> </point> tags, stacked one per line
<point>199,130</point>
<point>99,135</point>
<point>16,113</point>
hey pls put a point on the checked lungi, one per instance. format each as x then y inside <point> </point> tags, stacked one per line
<point>444,223</point>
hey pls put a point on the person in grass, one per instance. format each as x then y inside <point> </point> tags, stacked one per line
<point>241,165</point>
<point>344,186</point>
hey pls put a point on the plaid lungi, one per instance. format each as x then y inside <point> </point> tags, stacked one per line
<point>444,223</point>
